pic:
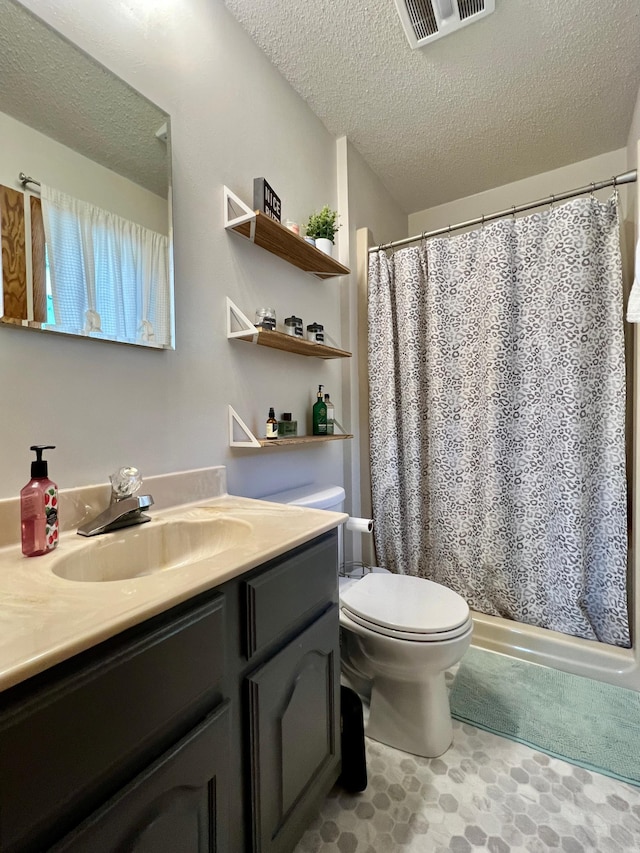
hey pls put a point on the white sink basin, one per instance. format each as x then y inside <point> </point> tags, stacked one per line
<point>150,548</point>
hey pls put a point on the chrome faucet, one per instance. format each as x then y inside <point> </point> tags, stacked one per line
<point>125,508</point>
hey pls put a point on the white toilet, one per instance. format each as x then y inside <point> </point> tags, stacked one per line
<point>399,635</point>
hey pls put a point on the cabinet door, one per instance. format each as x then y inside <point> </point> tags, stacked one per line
<point>294,727</point>
<point>178,804</point>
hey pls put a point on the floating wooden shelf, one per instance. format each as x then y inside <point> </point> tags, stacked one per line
<point>288,343</point>
<point>248,439</point>
<point>275,238</point>
<point>300,439</point>
<point>242,329</point>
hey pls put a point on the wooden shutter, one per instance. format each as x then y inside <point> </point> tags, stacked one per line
<point>14,260</point>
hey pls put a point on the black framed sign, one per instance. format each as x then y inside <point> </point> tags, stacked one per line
<point>265,199</point>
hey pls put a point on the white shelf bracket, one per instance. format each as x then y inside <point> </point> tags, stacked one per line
<point>237,213</point>
<point>236,424</point>
<point>238,324</point>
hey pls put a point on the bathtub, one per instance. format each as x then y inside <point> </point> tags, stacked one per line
<point>551,648</point>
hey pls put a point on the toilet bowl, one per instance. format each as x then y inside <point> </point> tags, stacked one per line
<point>398,636</point>
<point>401,633</point>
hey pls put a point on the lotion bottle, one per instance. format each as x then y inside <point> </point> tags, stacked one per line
<point>39,508</point>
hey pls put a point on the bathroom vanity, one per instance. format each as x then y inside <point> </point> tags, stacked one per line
<point>211,726</point>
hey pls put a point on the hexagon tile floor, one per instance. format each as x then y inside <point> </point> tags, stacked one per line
<point>485,793</point>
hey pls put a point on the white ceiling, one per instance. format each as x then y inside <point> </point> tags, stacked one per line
<point>534,86</point>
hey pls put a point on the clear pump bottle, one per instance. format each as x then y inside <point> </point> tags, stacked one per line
<point>331,414</point>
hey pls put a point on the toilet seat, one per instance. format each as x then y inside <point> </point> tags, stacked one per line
<point>406,607</point>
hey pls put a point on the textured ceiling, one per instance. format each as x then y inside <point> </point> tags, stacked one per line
<point>534,86</point>
<point>48,84</point>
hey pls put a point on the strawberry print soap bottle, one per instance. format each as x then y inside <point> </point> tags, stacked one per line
<point>39,508</point>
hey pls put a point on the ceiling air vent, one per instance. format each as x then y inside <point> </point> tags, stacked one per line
<point>425,21</point>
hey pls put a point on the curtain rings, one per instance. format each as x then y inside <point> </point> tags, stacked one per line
<point>513,212</point>
<point>449,231</point>
<point>552,202</point>
<point>593,189</point>
<point>482,223</point>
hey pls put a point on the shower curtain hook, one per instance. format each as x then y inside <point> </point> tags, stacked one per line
<point>449,231</point>
<point>552,202</point>
<point>482,225</point>
<point>593,189</point>
<point>513,211</point>
<point>615,189</point>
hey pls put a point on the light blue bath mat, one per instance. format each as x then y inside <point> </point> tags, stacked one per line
<point>585,722</point>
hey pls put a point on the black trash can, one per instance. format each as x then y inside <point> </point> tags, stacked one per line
<point>354,763</point>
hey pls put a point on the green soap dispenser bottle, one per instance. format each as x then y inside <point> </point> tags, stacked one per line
<point>319,415</point>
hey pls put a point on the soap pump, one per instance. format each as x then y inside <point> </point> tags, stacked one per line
<point>39,508</point>
<point>319,414</point>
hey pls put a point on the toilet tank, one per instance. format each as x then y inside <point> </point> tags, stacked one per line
<point>313,496</point>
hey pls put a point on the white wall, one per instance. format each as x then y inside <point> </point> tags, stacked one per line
<point>103,405</point>
<point>632,151</point>
<point>26,150</point>
<point>520,192</point>
<point>370,206</point>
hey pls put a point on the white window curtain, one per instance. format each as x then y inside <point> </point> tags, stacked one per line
<point>109,276</point>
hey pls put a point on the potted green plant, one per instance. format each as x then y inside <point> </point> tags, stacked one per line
<point>322,227</point>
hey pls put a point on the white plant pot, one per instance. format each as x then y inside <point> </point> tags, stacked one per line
<point>324,245</point>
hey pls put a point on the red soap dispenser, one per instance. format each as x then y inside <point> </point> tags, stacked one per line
<point>39,508</point>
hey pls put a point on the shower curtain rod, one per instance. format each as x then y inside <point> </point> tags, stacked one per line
<point>626,178</point>
<point>25,179</point>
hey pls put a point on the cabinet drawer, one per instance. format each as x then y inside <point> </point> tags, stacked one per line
<point>282,598</point>
<point>71,742</point>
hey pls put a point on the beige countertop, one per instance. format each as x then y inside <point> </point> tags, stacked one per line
<point>45,618</point>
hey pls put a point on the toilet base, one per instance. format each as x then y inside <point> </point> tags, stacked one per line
<point>413,717</point>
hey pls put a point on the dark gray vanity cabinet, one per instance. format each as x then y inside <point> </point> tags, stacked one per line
<point>292,688</point>
<point>211,727</point>
<point>95,730</point>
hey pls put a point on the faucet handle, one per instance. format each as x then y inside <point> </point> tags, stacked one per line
<point>125,482</point>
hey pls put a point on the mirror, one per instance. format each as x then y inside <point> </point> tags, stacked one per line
<point>97,145</point>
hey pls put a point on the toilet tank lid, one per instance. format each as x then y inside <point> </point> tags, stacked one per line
<point>313,495</point>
